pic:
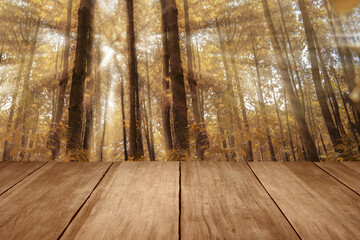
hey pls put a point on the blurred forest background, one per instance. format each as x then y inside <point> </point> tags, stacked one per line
<point>236,80</point>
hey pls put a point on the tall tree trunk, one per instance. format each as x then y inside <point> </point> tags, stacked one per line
<point>262,105</point>
<point>249,152</point>
<point>229,89</point>
<point>200,133</point>
<point>288,127</point>
<point>123,117</point>
<point>320,93</point>
<point>97,101</point>
<point>135,141</point>
<point>76,108</point>
<point>89,103</point>
<point>54,136</point>
<point>181,131</point>
<point>283,142</point>
<point>329,89</point>
<point>8,145</point>
<point>151,134</point>
<point>166,107</point>
<point>291,52</point>
<point>27,95</point>
<point>103,134</point>
<point>295,103</point>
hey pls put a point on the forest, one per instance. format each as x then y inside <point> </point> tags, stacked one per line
<point>169,80</point>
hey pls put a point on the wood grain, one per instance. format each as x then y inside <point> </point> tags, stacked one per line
<point>346,172</point>
<point>316,204</point>
<point>135,200</point>
<point>224,200</point>
<point>42,205</point>
<point>13,172</point>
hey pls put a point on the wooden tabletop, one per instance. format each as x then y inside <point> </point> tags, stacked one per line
<point>179,200</point>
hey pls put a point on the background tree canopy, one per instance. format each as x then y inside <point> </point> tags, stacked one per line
<point>235,80</point>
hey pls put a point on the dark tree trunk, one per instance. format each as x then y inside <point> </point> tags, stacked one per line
<point>150,119</point>
<point>181,131</point>
<point>166,107</point>
<point>200,132</point>
<point>54,136</point>
<point>295,103</point>
<point>320,93</point>
<point>123,119</point>
<point>90,89</point>
<point>329,89</point>
<point>135,141</point>
<point>76,108</point>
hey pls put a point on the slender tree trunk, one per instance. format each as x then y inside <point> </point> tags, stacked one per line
<point>288,127</point>
<point>97,102</point>
<point>262,105</point>
<point>320,93</point>
<point>166,107</point>
<point>351,124</point>
<point>151,134</point>
<point>330,91</point>
<point>76,108</point>
<point>28,98</point>
<point>103,135</point>
<point>200,134</point>
<point>222,133</point>
<point>295,103</point>
<point>286,157</point>
<point>8,145</point>
<point>181,131</point>
<point>54,136</point>
<point>229,89</point>
<point>292,53</point>
<point>123,117</point>
<point>249,152</point>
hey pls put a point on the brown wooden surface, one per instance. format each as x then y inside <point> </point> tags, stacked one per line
<point>13,172</point>
<point>346,172</point>
<point>224,200</point>
<point>316,204</point>
<point>42,205</point>
<point>135,200</point>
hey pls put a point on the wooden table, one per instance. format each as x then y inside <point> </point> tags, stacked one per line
<point>179,200</point>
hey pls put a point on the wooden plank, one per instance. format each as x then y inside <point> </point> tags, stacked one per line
<point>346,172</point>
<point>224,200</point>
<point>13,172</point>
<point>316,204</point>
<point>41,206</point>
<point>135,200</point>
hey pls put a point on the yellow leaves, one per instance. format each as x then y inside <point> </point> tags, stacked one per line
<point>355,94</point>
<point>344,6</point>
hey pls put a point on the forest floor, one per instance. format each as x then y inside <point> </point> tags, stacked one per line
<point>180,200</point>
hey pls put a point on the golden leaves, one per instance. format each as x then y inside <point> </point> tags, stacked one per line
<point>344,6</point>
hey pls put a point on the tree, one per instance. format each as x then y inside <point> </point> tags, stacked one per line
<point>296,106</point>
<point>179,108</point>
<point>76,108</point>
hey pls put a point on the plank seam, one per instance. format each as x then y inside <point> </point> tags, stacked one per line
<point>23,178</point>
<point>82,205</point>
<point>336,179</point>
<point>179,227</point>
<point>273,201</point>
